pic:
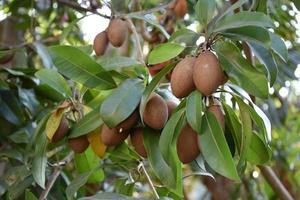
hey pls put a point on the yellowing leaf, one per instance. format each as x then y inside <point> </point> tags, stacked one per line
<point>95,141</point>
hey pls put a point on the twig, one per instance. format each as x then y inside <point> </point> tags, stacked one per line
<point>141,165</point>
<point>55,175</point>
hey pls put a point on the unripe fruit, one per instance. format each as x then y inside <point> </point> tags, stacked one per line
<point>128,123</point>
<point>187,145</point>
<point>180,8</point>
<point>61,131</point>
<point>171,107</point>
<point>217,111</point>
<point>100,43</point>
<point>137,141</point>
<point>79,144</point>
<point>208,74</point>
<point>117,32</point>
<point>182,83</point>
<point>156,112</point>
<point>111,137</point>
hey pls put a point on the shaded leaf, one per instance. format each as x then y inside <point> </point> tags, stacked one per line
<point>279,47</point>
<point>258,151</point>
<point>205,10</point>
<point>116,63</point>
<point>109,196</point>
<point>186,36</point>
<point>194,110</point>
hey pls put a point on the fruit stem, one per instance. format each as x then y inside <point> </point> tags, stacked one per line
<point>141,166</point>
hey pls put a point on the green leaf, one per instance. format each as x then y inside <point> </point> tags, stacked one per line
<point>124,186</point>
<point>29,195</point>
<point>39,162</point>
<point>261,6</point>
<point>241,19</point>
<point>297,4</point>
<point>249,34</point>
<point>194,110</point>
<point>86,162</point>
<point>205,10</point>
<point>241,71</point>
<point>109,196</point>
<point>267,59</point>
<point>234,6</point>
<point>54,80</point>
<point>17,189</point>
<point>258,151</point>
<point>164,52</point>
<point>215,149</point>
<point>122,102</point>
<point>43,53</point>
<point>88,123</point>
<point>279,47</point>
<point>116,63</point>
<point>152,85</point>
<point>80,67</point>
<point>186,36</point>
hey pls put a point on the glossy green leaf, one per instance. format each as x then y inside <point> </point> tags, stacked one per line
<point>244,18</point>
<point>215,149</point>
<point>205,10</point>
<point>86,162</point>
<point>122,102</point>
<point>164,52</point>
<point>88,123</point>
<point>279,47</point>
<point>54,80</point>
<point>261,6</point>
<point>194,110</point>
<point>186,36</point>
<point>152,85</point>
<point>116,63</point>
<point>78,66</point>
<point>258,151</point>
<point>241,71</point>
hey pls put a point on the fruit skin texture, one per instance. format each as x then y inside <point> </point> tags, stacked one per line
<point>61,131</point>
<point>117,32</point>
<point>180,8</point>
<point>111,137</point>
<point>156,112</point>
<point>100,43</point>
<point>154,69</point>
<point>171,107</point>
<point>182,83</point>
<point>208,74</point>
<point>137,141</point>
<point>187,145</point>
<point>216,110</point>
<point>79,144</point>
<point>128,123</point>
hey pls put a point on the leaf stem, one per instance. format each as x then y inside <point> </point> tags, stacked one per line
<point>141,166</point>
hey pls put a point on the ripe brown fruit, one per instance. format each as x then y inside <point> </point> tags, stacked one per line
<point>217,111</point>
<point>187,145</point>
<point>154,69</point>
<point>171,107</point>
<point>117,32</point>
<point>61,131</point>
<point>128,123</point>
<point>100,43</point>
<point>208,74</point>
<point>181,8</point>
<point>111,137</point>
<point>182,83</point>
<point>137,141</point>
<point>156,112</point>
<point>79,144</point>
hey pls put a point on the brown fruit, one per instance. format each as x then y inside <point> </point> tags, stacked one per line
<point>154,69</point>
<point>111,137</point>
<point>137,141</point>
<point>100,43</point>
<point>216,110</point>
<point>208,74</point>
<point>156,112</point>
<point>171,107</point>
<point>225,79</point>
<point>181,8</point>
<point>182,83</point>
<point>61,131</point>
<point>187,145</point>
<point>79,144</point>
<point>128,123</point>
<point>117,32</point>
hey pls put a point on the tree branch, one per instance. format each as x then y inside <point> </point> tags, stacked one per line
<point>148,179</point>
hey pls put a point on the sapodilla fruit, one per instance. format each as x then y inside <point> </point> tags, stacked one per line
<point>156,112</point>
<point>154,69</point>
<point>117,32</point>
<point>61,131</point>
<point>128,123</point>
<point>181,8</point>
<point>182,83</point>
<point>137,141</point>
<point>215,108</point>
<point>100,43</point>
<point>208,74</point>
<point>111,137</point>
<point>171,107</point>
<point>79,144</point>
<point>187,145</point>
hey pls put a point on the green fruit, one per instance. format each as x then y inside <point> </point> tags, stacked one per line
<point>137,141</point>
<point>79,144</point>
<point>111,137</point>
